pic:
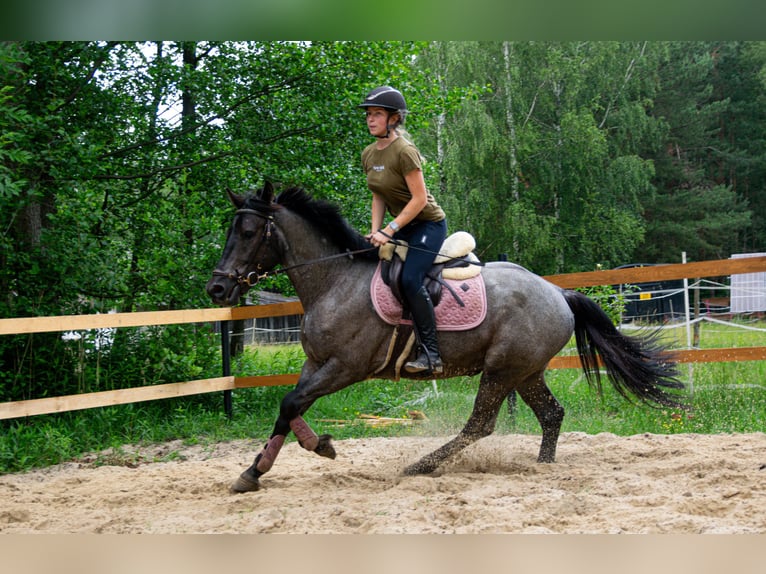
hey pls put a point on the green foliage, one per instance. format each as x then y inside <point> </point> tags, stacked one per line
<point>699,206</point>
<point>593,151</point>
<point>533,165</point>
<point>277,283</point>
<point>609,299</point>
<point>99,360</point>
<point>114,157</point>
<point>123,150</point>
<point>270,360</point>
<point>704,222</point>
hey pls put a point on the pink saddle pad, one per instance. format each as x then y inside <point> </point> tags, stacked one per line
<point>450,316</point>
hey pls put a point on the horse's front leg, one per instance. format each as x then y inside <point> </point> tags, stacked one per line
<point>313,383</point>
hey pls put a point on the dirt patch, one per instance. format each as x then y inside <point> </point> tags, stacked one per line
<point>600,484</point>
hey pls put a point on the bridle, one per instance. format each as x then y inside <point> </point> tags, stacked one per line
<point>253,277</point>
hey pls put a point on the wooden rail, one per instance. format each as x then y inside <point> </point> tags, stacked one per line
<point>24,325</point>
<point>716,268</point>
<point>721,355</point>
<point>65,403</point>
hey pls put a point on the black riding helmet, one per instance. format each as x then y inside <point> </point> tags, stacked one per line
<point>385,97</point>
<point>389,99</point>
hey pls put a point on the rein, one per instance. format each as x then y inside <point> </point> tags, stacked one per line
<point>253,277</point>
<point>434,253</point>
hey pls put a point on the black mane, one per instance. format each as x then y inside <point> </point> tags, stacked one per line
<point>324,216</point>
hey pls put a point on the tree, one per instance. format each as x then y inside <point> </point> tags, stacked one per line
<point>123,150</point>
<point>564,155</point>
<point>738,160</point>
<point>528,165</point>
<point>695,209</point>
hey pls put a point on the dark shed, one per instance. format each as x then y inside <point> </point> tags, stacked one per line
<point>655,301</point>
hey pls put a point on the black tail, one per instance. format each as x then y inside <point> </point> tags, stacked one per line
<point>634,365</point>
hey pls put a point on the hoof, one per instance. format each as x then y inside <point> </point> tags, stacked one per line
<point>420,467</point>
<point>415,470</point>
<point>412,470</point>
<point>245,484</point>
<point>325,448</point>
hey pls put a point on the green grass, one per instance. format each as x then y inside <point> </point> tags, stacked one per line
<point>726,398</point>
<point>735,333</point>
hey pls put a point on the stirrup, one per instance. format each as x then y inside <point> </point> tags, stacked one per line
<point>424,364</point>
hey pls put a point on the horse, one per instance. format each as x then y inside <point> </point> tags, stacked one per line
<point>331,266</point>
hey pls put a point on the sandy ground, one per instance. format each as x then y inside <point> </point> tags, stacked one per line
<point>599,484</point>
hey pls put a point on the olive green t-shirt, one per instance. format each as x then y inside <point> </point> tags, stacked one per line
<point>385,171</point>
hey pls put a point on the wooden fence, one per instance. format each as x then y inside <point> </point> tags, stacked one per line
<point>228,383</point>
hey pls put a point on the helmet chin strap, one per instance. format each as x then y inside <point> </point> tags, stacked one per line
<point>389,127</point>
<point>388,131</point>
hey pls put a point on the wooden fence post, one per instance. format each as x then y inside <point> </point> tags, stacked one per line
<point>226,366</point>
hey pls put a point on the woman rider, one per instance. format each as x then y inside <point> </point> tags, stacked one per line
<point>393,166</point>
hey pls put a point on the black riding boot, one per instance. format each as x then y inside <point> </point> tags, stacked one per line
<point>428,359</point>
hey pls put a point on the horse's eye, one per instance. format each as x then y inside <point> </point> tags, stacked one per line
<point>248,235</point>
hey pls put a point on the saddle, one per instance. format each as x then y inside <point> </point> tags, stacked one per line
<point>456,260</point>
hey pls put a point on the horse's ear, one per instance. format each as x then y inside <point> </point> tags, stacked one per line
<point>267,193</point>
<point>237,200</point>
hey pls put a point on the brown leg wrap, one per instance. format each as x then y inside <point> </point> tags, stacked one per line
<point>307,438</point>
<point>269,453</point>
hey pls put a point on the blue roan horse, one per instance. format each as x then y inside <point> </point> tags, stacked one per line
<point>529,321</point>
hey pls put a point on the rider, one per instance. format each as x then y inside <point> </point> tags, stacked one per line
<point>393,166</point>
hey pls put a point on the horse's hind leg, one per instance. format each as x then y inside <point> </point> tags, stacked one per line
<point>481,423</point>
<point>548,411</point>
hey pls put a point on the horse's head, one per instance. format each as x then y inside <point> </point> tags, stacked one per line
<point>250,251</point>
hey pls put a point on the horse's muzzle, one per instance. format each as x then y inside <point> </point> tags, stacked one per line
<point>224,291</point>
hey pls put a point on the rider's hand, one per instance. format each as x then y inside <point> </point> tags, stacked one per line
<point>379,238</point>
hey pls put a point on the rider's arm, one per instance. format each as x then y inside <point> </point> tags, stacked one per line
<point>378,211</point>
<point>417,187</point>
